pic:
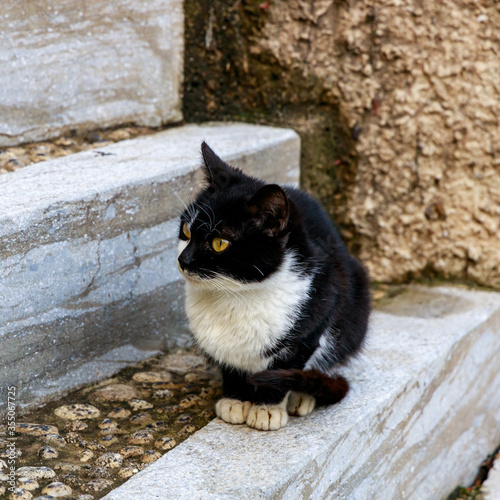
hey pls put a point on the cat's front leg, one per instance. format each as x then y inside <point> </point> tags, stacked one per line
<point>235,406</point>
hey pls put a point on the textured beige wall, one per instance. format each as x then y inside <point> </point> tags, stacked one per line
<point>421,79</point>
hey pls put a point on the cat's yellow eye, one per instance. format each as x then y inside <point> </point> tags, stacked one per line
<point>186,231</point>
<point>219,244</point>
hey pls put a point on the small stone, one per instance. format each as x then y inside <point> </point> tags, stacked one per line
<point>55,440</point>
<point>169,410</point>
<point>96,446</point>
<point>27,484</point>
<point>71,479</point>
<point>110,460</point>
<point>141,437</point>
<point>182,363</point>
<point>165,443</point>
<point>195,377</point>
<point>20,494</point>
<point>189,400</point>
<point>188,388</point>
<point>131,451</point>
<point>152,377</point>
<point>157,426</point>
<point>140,404</point>
<point>108,440</point>
<point>185,418</point>
<point>67,467</point>
<point>108,427</point>
<point>36,429</point>
<point>3,477</point>
<point>150,456</point>
<point>75,438</point>
<point>3,465</point>
<point>119,413</point>
<point>2,490</point>
<point>141,419</point>
<point>187,429</point>
<point>97,485</point>
<point>163,394</point>
<point>77,411</point>
<point>66,142</point>
<point>57,489</point>
<point>207,392</point>
<point>107,423</point>
<point>207,414</point>
<point>98,472</point>
<point>127,472</point>
<point>86,455</point>
<point>119,135</point>
<point>76,425</point>
<point>4,443</point>
<point>115,392</point>
<point>36,472</point>
<point>168,385</point>
<point>84,497</point>
<point>11,453</point>
<point>48,452</point>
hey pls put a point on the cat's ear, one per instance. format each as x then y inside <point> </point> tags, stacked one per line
<point>270,209</point>
<point>217,173</point>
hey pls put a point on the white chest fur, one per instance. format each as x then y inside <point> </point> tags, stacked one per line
<point>235,323</point>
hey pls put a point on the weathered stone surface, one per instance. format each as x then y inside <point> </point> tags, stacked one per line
<point>491,487</point>
<point>426,390</point>
<point>88,65</point>
<point>88,248</point>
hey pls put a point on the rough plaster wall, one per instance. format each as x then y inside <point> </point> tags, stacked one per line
<point>420,80</point>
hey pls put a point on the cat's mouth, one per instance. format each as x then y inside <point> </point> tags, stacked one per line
<point>189,276</point>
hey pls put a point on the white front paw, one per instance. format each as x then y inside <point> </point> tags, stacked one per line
<point>300,404</point>
<point>267,417</point>
<point>232,411</point>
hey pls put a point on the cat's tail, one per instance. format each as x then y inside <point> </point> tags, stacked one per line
<point>327,390</point>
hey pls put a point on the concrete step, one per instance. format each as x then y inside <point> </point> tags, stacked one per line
<point>423,412</point>
<point>88,275</point>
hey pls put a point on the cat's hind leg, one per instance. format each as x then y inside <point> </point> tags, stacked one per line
<point>232,411</point>
<point>300,404</point>
<point>268,417</point>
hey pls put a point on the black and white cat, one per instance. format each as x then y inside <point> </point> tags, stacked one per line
<point>272,295</point>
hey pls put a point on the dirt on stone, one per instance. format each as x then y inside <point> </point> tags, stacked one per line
<point>97,437</point>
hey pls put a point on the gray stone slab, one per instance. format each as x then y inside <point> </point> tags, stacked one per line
<point>423,412</point>
<point>83,65</point>
<point>88,247</point>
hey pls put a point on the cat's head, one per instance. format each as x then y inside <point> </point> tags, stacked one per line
<point>235,231</point>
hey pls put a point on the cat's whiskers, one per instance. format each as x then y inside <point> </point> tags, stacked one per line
<point>188,208</point>
<point>208,215</point>
<point>212,221</point>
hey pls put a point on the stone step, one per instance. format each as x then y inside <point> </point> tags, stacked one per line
<point>423,412</point>
<point>88,247</point>
<point>83,65</point>
<point>491,487</point>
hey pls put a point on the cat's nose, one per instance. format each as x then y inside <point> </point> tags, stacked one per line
<point>184,260</point>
